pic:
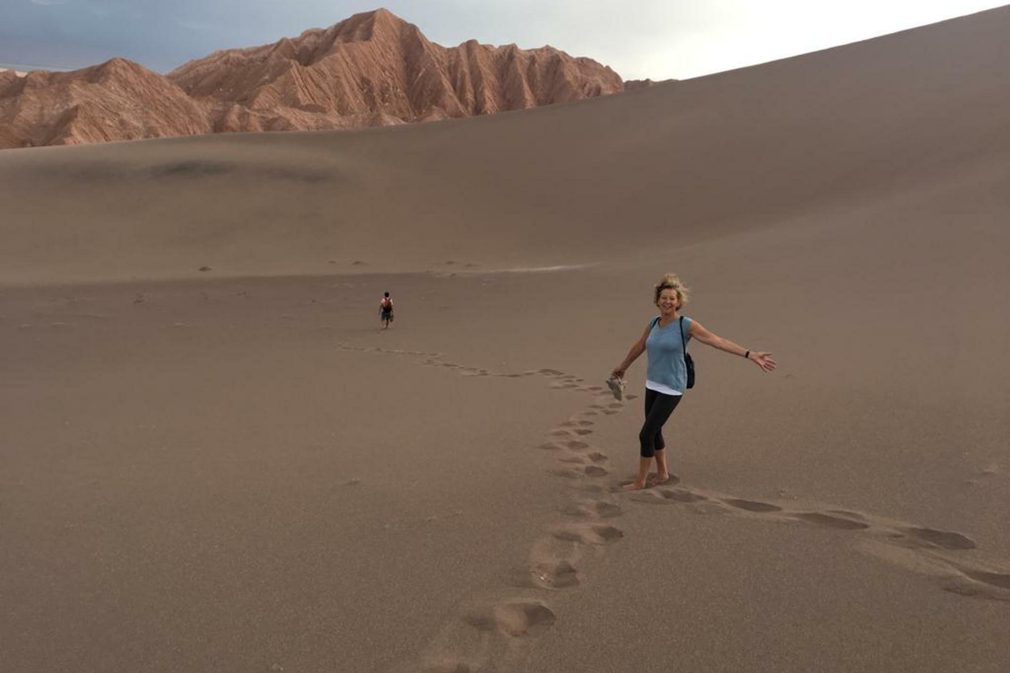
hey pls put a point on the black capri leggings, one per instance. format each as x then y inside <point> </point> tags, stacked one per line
<point>658,407</point>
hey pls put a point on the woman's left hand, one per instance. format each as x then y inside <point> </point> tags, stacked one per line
<point>763,360</point>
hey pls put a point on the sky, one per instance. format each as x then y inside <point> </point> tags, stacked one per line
<point>655,39</point>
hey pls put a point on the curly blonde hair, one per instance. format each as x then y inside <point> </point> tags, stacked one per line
<point>672,282</point>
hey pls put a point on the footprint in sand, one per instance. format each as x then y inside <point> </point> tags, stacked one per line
<point>1000,580</point>
<point>586,423</point>
<point>752,505</point>
<point>830,521</point>
<point>667,496</point>
<point>573,459</point>
<point>981,584</point>
<point>582,431</point>
<point>596,534</point>
<point>559,574</point>
<point>938,538</point>
<point>592,509</point>
<point>680,495</point>
<point>522,618</point>
<point>514,618</point>
<point>595,488</point>
<point>970,586</point>
<point>597,457</point>
<point>575,445</point>
<point>595,471</point>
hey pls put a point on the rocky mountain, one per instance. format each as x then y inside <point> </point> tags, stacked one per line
<point>634,84</point>
<point>117,100</point>
<point>373,69</point>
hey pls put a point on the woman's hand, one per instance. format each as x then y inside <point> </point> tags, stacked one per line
<point>763,360</point>
<point>618,372</point>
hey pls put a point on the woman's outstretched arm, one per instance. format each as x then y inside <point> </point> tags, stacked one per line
<point>760,358</point>
<point>637,349</point>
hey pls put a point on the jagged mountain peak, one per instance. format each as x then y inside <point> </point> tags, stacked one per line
<point>370,69</point>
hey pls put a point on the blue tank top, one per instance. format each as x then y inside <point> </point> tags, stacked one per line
<point>666,356</point>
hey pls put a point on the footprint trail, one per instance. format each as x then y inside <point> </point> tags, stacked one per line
<point>494,636</point>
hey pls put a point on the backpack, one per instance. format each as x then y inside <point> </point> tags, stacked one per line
<point>688,362</point>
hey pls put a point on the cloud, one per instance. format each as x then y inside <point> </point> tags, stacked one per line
<point>49,3</point>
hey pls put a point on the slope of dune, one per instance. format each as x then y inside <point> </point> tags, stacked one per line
<point>696,159</point>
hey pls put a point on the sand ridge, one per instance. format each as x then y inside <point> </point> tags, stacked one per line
<point>697,160</point>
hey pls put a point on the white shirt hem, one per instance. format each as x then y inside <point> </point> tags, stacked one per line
<point>660,388</point>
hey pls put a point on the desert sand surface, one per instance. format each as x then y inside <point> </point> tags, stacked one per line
<point>235,470</point>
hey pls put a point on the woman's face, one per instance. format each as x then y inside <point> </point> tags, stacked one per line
<point>668,301</point>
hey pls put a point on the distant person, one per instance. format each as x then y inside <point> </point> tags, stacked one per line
<point>386,310</point>
<point>665,340</point>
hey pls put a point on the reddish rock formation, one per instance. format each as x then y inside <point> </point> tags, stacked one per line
<point>117,100</point>
<point>372,69</point>
<point>635,84</point>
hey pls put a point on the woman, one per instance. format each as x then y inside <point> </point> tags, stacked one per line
<point>666,377</point>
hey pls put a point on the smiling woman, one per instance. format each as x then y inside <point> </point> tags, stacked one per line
<point>669,374</point>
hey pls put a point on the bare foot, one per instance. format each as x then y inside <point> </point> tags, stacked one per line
<point>662,478</point>
<point>634,486</point>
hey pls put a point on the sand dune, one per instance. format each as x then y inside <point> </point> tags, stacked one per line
<point>702,158</point>
<point>233,469</point>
